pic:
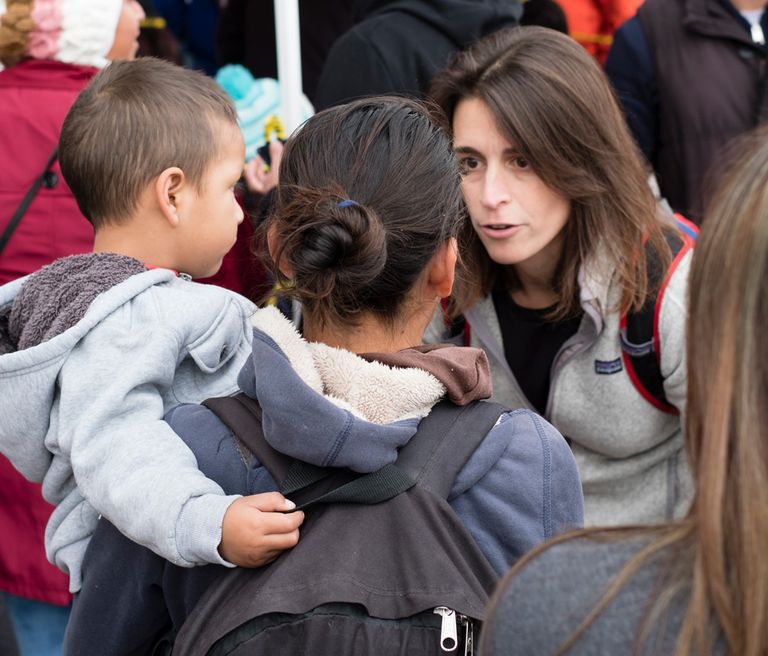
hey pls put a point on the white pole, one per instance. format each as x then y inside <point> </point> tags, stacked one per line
<point>288,62</point>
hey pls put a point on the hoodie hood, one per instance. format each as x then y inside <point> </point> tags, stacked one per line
<point>461,21</point>
<point>55,298</point>
<point>330,407</point>
<point>29,377</point>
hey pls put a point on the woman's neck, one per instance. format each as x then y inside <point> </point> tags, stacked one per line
<point>369,335</point>
<point>535,277</point>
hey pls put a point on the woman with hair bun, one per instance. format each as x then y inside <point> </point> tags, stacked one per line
<point>362,233</point>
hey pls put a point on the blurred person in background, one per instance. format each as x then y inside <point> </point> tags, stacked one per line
<point>691,75</point>
<point>397,46</point>
<point>194,24</point>
<point>593,22</point>
<point>246,35</point>
<point>50,50</point>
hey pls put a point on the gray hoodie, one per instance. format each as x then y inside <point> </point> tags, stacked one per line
<point>83,413</point>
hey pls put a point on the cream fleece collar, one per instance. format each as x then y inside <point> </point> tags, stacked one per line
<point>376,392</point>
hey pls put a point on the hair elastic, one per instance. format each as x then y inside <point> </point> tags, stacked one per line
<point>347,203</point>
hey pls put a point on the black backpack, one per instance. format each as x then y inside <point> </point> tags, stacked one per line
<point>383,566</point>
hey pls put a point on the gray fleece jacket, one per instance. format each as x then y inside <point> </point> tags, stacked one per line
<point>630,455</point>
<point>83,413</point>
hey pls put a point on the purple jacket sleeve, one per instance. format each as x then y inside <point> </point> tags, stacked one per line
<point>520,488</point>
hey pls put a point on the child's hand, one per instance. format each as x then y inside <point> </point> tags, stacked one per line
<point>257,179</point>
<point>253,534</point>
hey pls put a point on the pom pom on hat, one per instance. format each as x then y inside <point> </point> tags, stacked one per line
<point>72,31</point>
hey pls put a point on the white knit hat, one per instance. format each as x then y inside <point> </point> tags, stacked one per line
<point>72,31</point>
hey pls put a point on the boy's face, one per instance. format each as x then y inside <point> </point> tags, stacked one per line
<point>210,223</point>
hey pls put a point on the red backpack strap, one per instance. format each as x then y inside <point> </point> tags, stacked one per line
<point>640,338</point>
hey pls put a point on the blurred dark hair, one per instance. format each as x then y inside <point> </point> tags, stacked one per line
<point>350,258</point>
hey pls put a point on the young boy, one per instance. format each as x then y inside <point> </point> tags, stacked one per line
<point>96,348</point>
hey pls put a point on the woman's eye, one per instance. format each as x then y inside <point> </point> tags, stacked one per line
<point>521,162</point>
<point>468,164</point>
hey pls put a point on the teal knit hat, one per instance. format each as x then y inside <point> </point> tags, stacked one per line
<point>257,102</point>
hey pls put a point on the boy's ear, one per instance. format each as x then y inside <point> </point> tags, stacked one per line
<point>168,187</point>
<point>442,269</point>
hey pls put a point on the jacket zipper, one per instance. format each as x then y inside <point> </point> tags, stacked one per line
<point>557,366</point>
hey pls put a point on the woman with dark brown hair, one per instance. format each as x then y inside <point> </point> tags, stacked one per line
<point>700,585</point>
<point>564,239</point>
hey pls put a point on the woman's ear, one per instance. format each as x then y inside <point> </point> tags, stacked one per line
<point>168,188</point>
<point>442,269</point>
<point>272,246</point>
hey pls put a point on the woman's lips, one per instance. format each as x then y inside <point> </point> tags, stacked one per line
<point>500,230</point>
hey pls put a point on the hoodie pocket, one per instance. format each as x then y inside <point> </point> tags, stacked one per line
<point>213,360</point>
<point>212,350</point>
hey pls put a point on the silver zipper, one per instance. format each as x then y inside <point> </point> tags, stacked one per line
<point>469,635</point>
<point>449,640</point>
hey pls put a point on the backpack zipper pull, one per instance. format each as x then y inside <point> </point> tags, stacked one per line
<point>448,630</point>
<point>469,635</point>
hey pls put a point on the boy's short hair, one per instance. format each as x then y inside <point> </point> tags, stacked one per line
<point>134,120</point>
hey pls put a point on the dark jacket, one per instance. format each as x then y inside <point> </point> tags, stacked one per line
<point>246,35</point>
<point>691,79</point>
<point>193,22</point>
<point>399,45</point>
<point>330,407</point>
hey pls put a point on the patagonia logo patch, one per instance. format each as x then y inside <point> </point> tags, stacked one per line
<point>606,367</point>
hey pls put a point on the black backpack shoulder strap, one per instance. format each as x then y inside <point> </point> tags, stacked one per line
<point>445,440</point>
<point>640,340</point>
<point>26,201</point>
<point>242,415</point>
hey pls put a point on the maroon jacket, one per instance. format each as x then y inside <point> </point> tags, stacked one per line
<point>34,99</point>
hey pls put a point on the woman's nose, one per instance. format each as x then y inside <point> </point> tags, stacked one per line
<point>495,189</point>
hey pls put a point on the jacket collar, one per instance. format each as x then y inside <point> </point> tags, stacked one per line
<point>717,18</point>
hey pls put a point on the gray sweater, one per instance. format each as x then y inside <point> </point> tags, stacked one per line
<point>630,454</point>
<point>536,611</point>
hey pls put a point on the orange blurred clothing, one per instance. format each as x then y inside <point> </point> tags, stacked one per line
<point>593,22</point>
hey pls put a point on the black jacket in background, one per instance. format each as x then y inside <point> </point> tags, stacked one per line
<point>399,45</point>
<point>690,79</point>
<point>246,35</point>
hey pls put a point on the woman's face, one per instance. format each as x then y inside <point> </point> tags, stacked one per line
<point>127,32</point>
<point>518,218</point>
